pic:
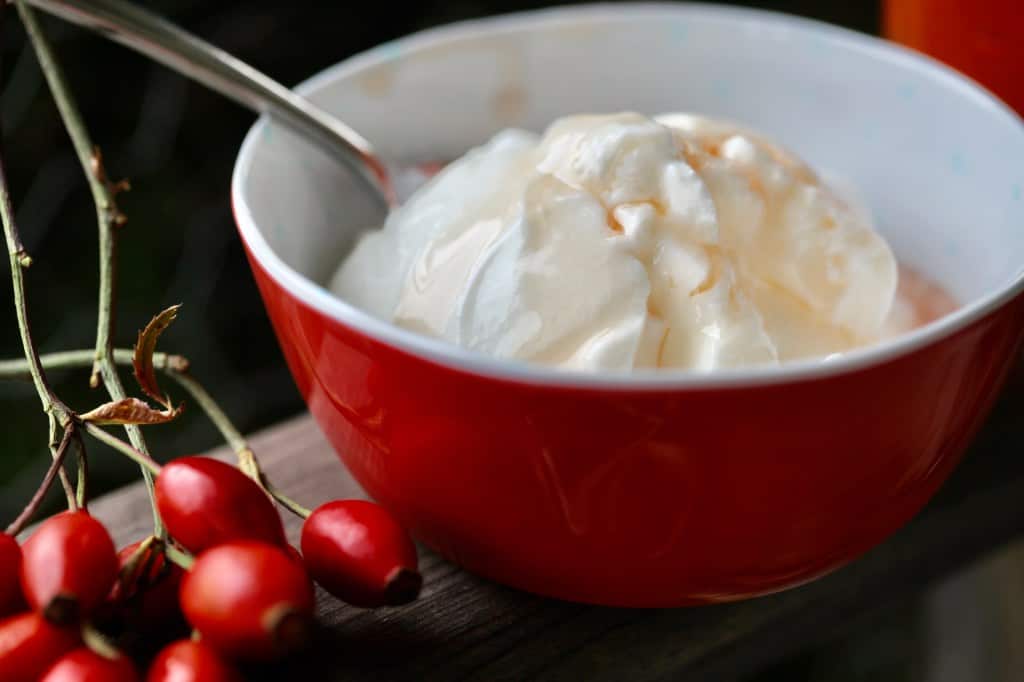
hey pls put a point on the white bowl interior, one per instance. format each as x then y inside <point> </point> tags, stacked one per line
<point>939,162</point>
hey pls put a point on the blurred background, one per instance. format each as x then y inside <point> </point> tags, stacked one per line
<point>177,143</point>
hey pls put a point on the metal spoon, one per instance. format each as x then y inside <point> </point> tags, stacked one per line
<point>194,58</point>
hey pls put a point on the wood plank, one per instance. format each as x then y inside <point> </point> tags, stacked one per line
<point>466,627</point>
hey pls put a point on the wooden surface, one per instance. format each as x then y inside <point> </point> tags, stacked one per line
<point>464,627</point>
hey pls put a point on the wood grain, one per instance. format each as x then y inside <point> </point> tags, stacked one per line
<point>464,627</point>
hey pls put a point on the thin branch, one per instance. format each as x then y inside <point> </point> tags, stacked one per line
<point>286,502</point>
<point>98,643</point>
<point>32,507</point>
<point>108,217</point>
<point>247,461</point>
<point>103,192</point>
<point>57,412</point>
<point>18,368</point>
<point>82,487</point>
<point>17,258</point>
<point>235,440</point>
<point>179,557</point>
<point>141,458</point>
<point>139,562</point>
<point>65,482</point>
<point>174,366</point>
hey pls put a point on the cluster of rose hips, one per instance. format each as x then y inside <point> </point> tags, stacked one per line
<point>248,595</point>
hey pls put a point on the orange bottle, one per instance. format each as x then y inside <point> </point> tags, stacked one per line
<point>982,38</point>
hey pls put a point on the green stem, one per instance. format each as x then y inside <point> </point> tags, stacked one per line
<point>82,484</point>
<point>235,440</point>
<point>141,458</point>
<point>174,366</point>
<point>107,213</point>
<point>176,556</point>
<point>287,502</point>
<point>108,216</point>
<point>18,261</point>
<point>18,368</point>
<point>97,642</point>
<point>56,411</point>
<point>247,461</point>
<point>51,474</point>
<point>131,568</point>
<point>69,492</point>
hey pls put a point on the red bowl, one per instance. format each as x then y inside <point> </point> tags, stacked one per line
<point>653,489</point>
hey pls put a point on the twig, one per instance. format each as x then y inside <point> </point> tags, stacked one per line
<point>18,368</point>
<point>175,367</point>
<point>82,486</point>
<point>139,562</point>
<point>98,643</point>
<point>286,502</point>
<point>69,491</point>
<point>18,260</point>
<point>57,412</point>
<point>247,461</point>
<point>32,507</point>
<point>141,458</point>
<point>179,557</point>
<point>235,440</point>
<point>108,217</point>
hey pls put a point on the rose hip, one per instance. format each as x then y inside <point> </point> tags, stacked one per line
<point>205,502</point>
<point>359,553</point>
<point>29,644</point>
<point>249,600</point>
<point>294,554</point>
<point>144,597</point>
<point>68,566</point>
<point>11,600</point>
<point>85,665</point>
<point>189,661</point>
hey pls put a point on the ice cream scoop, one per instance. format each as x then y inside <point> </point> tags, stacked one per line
<point>620,241</point>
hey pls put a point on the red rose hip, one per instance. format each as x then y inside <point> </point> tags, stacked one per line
<point>29,644</point>
<point>248,600</point>
<point>359,553</point>
<point>189,661</point>
<point>11,600</point>
<point>68,566</point>
<point>145,596</point>
<point>85,665</point>
<point>205,502</point>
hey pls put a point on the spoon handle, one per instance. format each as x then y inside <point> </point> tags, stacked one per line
<point>162,41</point>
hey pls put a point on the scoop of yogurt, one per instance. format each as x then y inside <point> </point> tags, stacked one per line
<point>620,241</point>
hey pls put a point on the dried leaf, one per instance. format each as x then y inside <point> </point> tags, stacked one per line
<point>143,358</point>
<point>130,411</point>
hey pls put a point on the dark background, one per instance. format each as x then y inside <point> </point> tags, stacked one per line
<point>177,143</point>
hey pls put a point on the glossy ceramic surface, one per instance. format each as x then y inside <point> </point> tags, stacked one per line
<point>671,488</point>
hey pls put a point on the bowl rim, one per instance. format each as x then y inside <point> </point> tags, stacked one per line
<point>461,359</point>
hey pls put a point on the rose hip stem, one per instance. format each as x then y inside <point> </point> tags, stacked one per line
<point>37,499</point>
<point>96,641</point>
<point>174,554</point>
<point>175,367</point>
<point>152,543</point>
<point>183,559</point>
<point>247,461</point>
<point>57,412</point>
<point>141,458</point>
<point>108,217</point>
